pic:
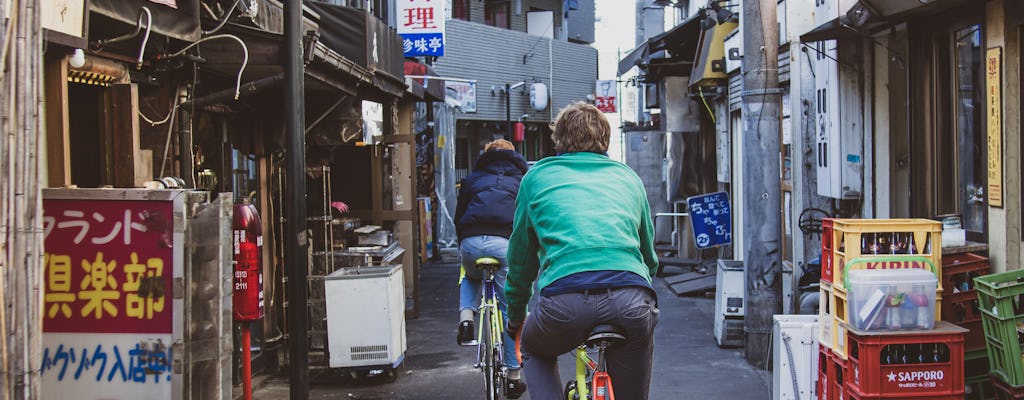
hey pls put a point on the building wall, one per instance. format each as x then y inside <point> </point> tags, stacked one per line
<point>494,57</point>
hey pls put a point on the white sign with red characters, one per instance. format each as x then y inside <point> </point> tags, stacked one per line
<point>605,99</point>
<point>421,25</point>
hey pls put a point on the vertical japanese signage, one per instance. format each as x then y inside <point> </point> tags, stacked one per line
<point>421,25</point>
<point>994,94</point>
<point>606,93</point>
<point>108,306</point>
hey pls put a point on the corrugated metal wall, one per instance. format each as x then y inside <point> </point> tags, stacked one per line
<point>495,56</point>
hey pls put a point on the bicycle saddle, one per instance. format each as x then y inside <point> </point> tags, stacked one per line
<point>607,333</point>
<point>486,262</point>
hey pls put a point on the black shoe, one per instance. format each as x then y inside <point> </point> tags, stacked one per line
<point>465,336</point>
<point>515,388</point>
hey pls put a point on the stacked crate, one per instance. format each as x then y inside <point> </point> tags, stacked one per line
<point>960,306</point>
<point>858,244</point>
<point>978,384</point>
<point>906,364</point>
<point>1001,302</point>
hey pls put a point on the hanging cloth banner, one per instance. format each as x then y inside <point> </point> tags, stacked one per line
<point>605,99</point>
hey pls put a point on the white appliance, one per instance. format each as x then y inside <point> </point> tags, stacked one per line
<point>729,286</point>
<point>365,316</point>
<point>795,358</point>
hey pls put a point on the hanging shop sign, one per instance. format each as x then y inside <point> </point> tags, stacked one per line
<point>66,17</point>
<point>711,219</point>
<point>108,311</point>
<point>461,94</point>
<point>994,94</point>
<point>606,93</point>
<point>421,25</point>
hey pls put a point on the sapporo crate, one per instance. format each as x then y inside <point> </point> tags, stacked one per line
<point>873,239</point>
<point>907,364</point>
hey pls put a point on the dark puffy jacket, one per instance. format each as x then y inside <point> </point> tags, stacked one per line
<point>487,198</point>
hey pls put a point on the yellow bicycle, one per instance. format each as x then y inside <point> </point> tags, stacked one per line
<point>491,334</point>
<point>592,380</point>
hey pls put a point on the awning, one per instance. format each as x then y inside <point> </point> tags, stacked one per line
<point>868,16</point>
<point>430,89</point>
<point>679,41</point>
<point>363,38</point>
<point>180,23</point>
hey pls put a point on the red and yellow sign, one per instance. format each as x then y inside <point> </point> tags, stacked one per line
<point>108,266</point>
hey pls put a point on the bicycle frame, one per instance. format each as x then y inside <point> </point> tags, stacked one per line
<point>591,377</point>
<point>490,357</point>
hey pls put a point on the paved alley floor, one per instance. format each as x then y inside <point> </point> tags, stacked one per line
<point>687,363</point>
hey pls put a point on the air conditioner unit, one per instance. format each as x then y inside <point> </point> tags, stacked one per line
<point>795,364</point>
<point>729,303</point>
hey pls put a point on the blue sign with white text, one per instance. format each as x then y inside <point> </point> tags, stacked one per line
<point>711,219</point>
<point>423,44</point>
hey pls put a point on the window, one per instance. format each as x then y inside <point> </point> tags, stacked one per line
<point>460,9</point>
<point>496,14</point>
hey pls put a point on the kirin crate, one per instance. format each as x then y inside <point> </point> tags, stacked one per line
<point>925,364</point>
<point>892,239</point>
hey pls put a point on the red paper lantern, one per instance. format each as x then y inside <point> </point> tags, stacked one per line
<point>520,132</point>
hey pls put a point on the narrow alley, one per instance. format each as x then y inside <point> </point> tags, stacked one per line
<point>687,363</point>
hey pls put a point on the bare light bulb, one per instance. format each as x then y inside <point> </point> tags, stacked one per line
<point>77,59</point>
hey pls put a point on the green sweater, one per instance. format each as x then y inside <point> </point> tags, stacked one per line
<point>577,212</point>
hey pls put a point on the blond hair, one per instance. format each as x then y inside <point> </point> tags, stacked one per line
<point>500,144</point>
<point>581,127</point>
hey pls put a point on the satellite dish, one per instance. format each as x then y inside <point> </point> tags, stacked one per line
<point>539,96</point>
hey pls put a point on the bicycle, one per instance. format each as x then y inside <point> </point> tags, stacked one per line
<point>490,335</point>
<point>592,380</point>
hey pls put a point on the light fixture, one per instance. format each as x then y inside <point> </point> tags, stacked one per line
<point>721,14</point>
<point>77,59</point>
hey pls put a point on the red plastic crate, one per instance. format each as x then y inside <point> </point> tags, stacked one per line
<point>958,271</point>
<point>823,363</point>
<point>974,338</point>
<point>960,308</point>
<point>1006,392</point>
<point>826,250</point>
<point>855,396</point>
<point>916,377</point>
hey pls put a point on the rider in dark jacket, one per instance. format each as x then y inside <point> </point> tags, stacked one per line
<point>483,221</point>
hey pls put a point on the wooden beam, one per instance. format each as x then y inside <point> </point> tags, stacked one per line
<point>124,132</point>
<point>58,138</point>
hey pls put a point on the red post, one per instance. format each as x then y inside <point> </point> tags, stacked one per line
<point>246,363</point>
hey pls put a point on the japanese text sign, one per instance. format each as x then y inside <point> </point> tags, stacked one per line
<point>711,219</point>
<point>606,93</point>
<point>994,95</point>
<point>107,302</point>
<point>421,25</point>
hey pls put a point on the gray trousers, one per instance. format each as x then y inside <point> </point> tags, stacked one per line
<point>562,322</point>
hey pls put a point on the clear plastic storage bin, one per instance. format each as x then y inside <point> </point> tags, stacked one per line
<point>892,299</point>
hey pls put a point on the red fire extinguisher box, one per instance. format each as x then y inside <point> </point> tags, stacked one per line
<point>247,299</point>
<point>907,364</point>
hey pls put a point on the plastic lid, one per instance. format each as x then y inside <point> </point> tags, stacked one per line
<point>882,276</point>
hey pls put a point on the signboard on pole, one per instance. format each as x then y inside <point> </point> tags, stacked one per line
<point>711,219</point>
<point>606,93</point>
<point>108,311</point>
<point>421,25</point>
<point>994,95</point>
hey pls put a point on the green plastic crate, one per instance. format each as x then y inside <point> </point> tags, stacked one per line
<point>1004,351</point>
<point>979,388</point>
<point>1002,295</point>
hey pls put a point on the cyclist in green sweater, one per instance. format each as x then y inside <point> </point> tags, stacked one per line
<point>582,230</point>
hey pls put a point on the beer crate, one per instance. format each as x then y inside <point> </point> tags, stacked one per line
<point>907,364</point>
<point>827,255</point>
<point>959,271</point>
<point>831,375</point>
<point>1001,294</point>
<point>975,364</point>
<point>974,338</point>
<point>874,239</point>
<point>825,314</point>
<point>1005,391</point>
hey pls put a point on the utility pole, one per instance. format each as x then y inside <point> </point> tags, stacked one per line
<point>762,182</point>
<point>295,238</point>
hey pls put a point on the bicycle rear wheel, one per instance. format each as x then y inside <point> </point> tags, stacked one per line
<point>487,360</point>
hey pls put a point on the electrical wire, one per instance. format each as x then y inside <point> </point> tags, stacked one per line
<point>170,114</point>
<point>703,99</point>
<point>245,52</point>
<point>227,16</point>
